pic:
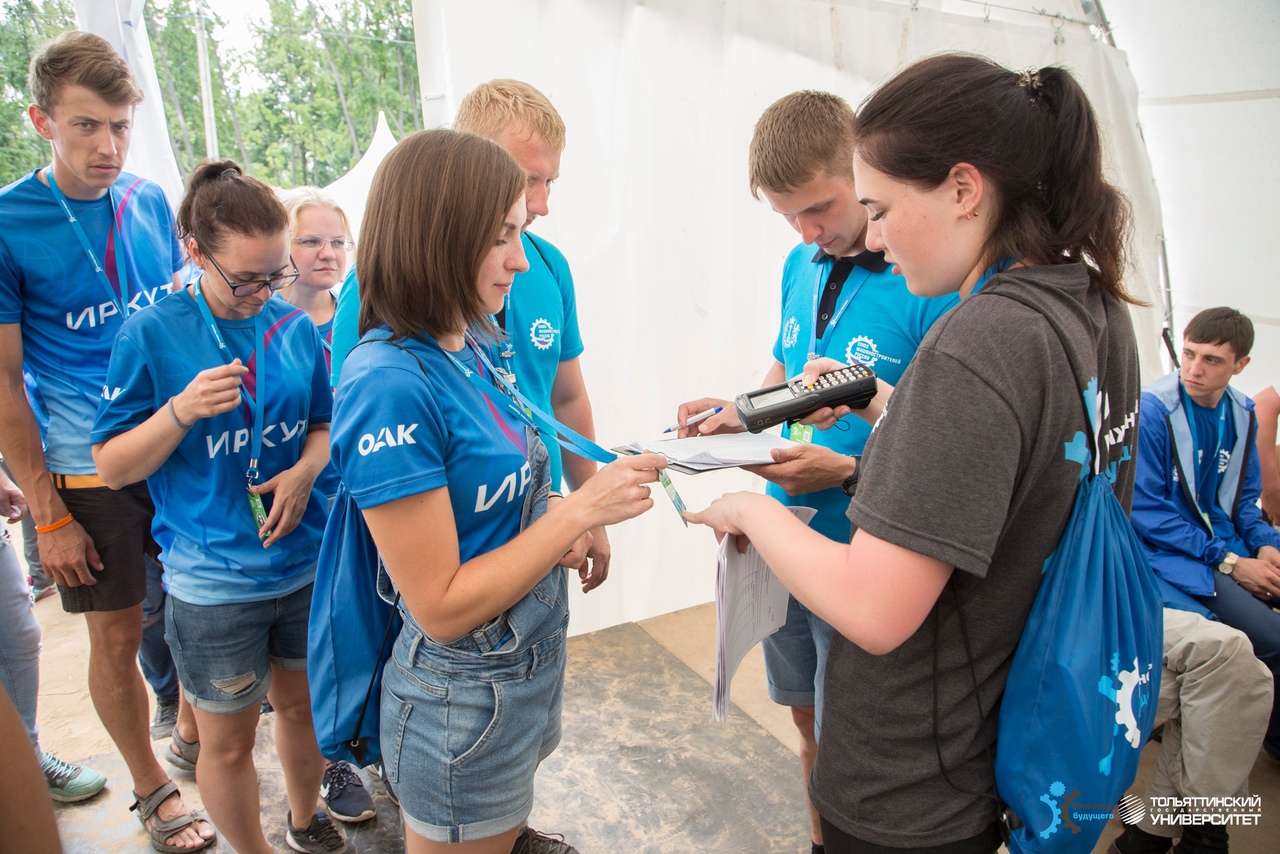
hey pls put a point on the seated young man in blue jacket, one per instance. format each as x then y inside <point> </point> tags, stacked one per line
<point>1195,503</point>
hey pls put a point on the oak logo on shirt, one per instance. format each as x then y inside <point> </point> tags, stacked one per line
<point>507,488</point>
<point>386,437</point>
<point>96,315</point>
<point>233,441</point>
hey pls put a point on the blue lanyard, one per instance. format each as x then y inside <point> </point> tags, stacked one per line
<point>120,300</point>
<point>508,395</point>
<point>254,401</point>
<point>848,296</point>
<point>1221,414</point>
<point>998,267</point>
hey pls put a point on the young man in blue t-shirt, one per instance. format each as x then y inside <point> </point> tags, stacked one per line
<point>541,315</point>
<point>82,245</point>
<point>839,301</point>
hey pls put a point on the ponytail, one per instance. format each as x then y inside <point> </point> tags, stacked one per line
<point>1032,134</point>
<point>220,198</point>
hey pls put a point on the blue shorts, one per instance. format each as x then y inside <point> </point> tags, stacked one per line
<point>224,653</point>
<point>795,658</point>
<point>465,724</point>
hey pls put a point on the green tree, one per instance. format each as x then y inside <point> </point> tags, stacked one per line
<point>24,26</point>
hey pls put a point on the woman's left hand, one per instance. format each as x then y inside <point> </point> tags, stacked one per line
<point>292,491</point>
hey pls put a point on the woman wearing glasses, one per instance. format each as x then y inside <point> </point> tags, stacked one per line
<point>218,396</point>
<point>321,238</point>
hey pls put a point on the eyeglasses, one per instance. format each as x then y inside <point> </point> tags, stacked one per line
<point>317,243</point>
<point>244,289</point>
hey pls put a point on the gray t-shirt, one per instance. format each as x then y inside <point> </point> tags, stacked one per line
<point>968,465</point>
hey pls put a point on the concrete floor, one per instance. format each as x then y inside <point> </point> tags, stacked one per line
<point>641,766</point>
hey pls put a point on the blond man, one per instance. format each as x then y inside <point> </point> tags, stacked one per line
<point>541,316</point>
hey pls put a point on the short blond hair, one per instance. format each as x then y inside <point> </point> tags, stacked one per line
<point>298,199</point>
<point>491,108</point>
<point>797,137</point>
<point>81,59</point>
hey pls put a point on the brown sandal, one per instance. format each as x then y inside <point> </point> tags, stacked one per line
<point>162,829</point>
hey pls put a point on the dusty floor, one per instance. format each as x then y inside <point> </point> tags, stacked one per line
<point>641,766</point>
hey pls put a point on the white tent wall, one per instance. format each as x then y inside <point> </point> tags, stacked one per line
<point>676,266</point>
<point>1209,87</point>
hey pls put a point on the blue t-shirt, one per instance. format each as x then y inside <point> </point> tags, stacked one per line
<point>543,327</point>
<point>1214,431</point>
<point>328,480</point>
<point>210,547</point>
<point>68,319</point>
<point>400,431</point>
<point>881,327</point>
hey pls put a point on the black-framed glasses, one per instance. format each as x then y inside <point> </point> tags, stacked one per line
<point>244,289</point>
<point>315,244</point>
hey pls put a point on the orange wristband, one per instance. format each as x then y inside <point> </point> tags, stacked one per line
<point>53,526</point>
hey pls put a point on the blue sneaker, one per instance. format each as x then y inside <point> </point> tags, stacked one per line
<point>344,793</point>
<point>70,783</point>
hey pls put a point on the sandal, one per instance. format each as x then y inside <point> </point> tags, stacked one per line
<point>162,829</point>
<point>182,754</point>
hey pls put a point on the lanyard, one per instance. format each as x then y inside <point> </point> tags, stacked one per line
<point>254,400</point>
<point>546,424</point>
<point>847,298</point>
<point>119,300</point>
<point>1220,413</point>
<point>998,267</point>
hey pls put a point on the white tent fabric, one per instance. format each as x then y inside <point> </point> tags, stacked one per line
<point>676,266</point>
<point>352,189</point>
<point>150,156</point>
<point>1209,87</point>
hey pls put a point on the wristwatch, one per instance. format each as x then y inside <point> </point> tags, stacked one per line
<point>1228,564</point>
<point>850,485</point>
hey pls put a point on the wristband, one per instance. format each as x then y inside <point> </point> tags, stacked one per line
<point>553,494</point>
<point>173,413</point>
<point>53,526</point>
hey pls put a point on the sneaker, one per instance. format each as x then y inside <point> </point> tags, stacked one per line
<point>531,841</point>
<point>166,718</point>
<point>344,793</point>
<point>40,589</point>
<point>320,837</point>
<point>70,783</point>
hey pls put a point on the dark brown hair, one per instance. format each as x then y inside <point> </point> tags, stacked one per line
<point>436,207</point>
<point>798,136</point>
<point>1221,325</point>
<point>220,198</point>
<point>81,59</point>
<point>1033,135</point>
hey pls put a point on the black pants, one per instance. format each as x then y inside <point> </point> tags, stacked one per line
<point>836,841</point>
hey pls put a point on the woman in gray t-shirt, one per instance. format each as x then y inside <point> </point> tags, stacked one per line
<point>976,178</point>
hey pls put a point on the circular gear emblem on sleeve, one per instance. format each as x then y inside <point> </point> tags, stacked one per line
<point>543,334</point>
<point>790,332</point>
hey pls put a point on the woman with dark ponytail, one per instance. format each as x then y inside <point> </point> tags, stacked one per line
<point>220,400</point>
<point>986,182</point>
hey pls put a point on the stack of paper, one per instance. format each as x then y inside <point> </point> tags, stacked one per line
<point>705,453</point>
<point>751,604</point>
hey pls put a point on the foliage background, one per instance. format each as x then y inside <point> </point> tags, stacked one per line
<point>298,105</point>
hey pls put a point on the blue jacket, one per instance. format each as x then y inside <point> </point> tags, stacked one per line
<point>1180,543</point>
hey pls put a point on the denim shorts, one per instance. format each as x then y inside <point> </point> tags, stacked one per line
<point>224,653</point>
<point>795,657</point>
<point>461,743</point>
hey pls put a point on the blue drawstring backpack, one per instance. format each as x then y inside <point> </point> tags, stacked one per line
<point>353,626</point>
<point>1081,697</point>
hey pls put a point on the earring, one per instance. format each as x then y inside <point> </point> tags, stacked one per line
<point>970,215</point>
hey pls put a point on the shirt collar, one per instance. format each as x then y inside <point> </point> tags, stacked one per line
<point>867,259</point>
